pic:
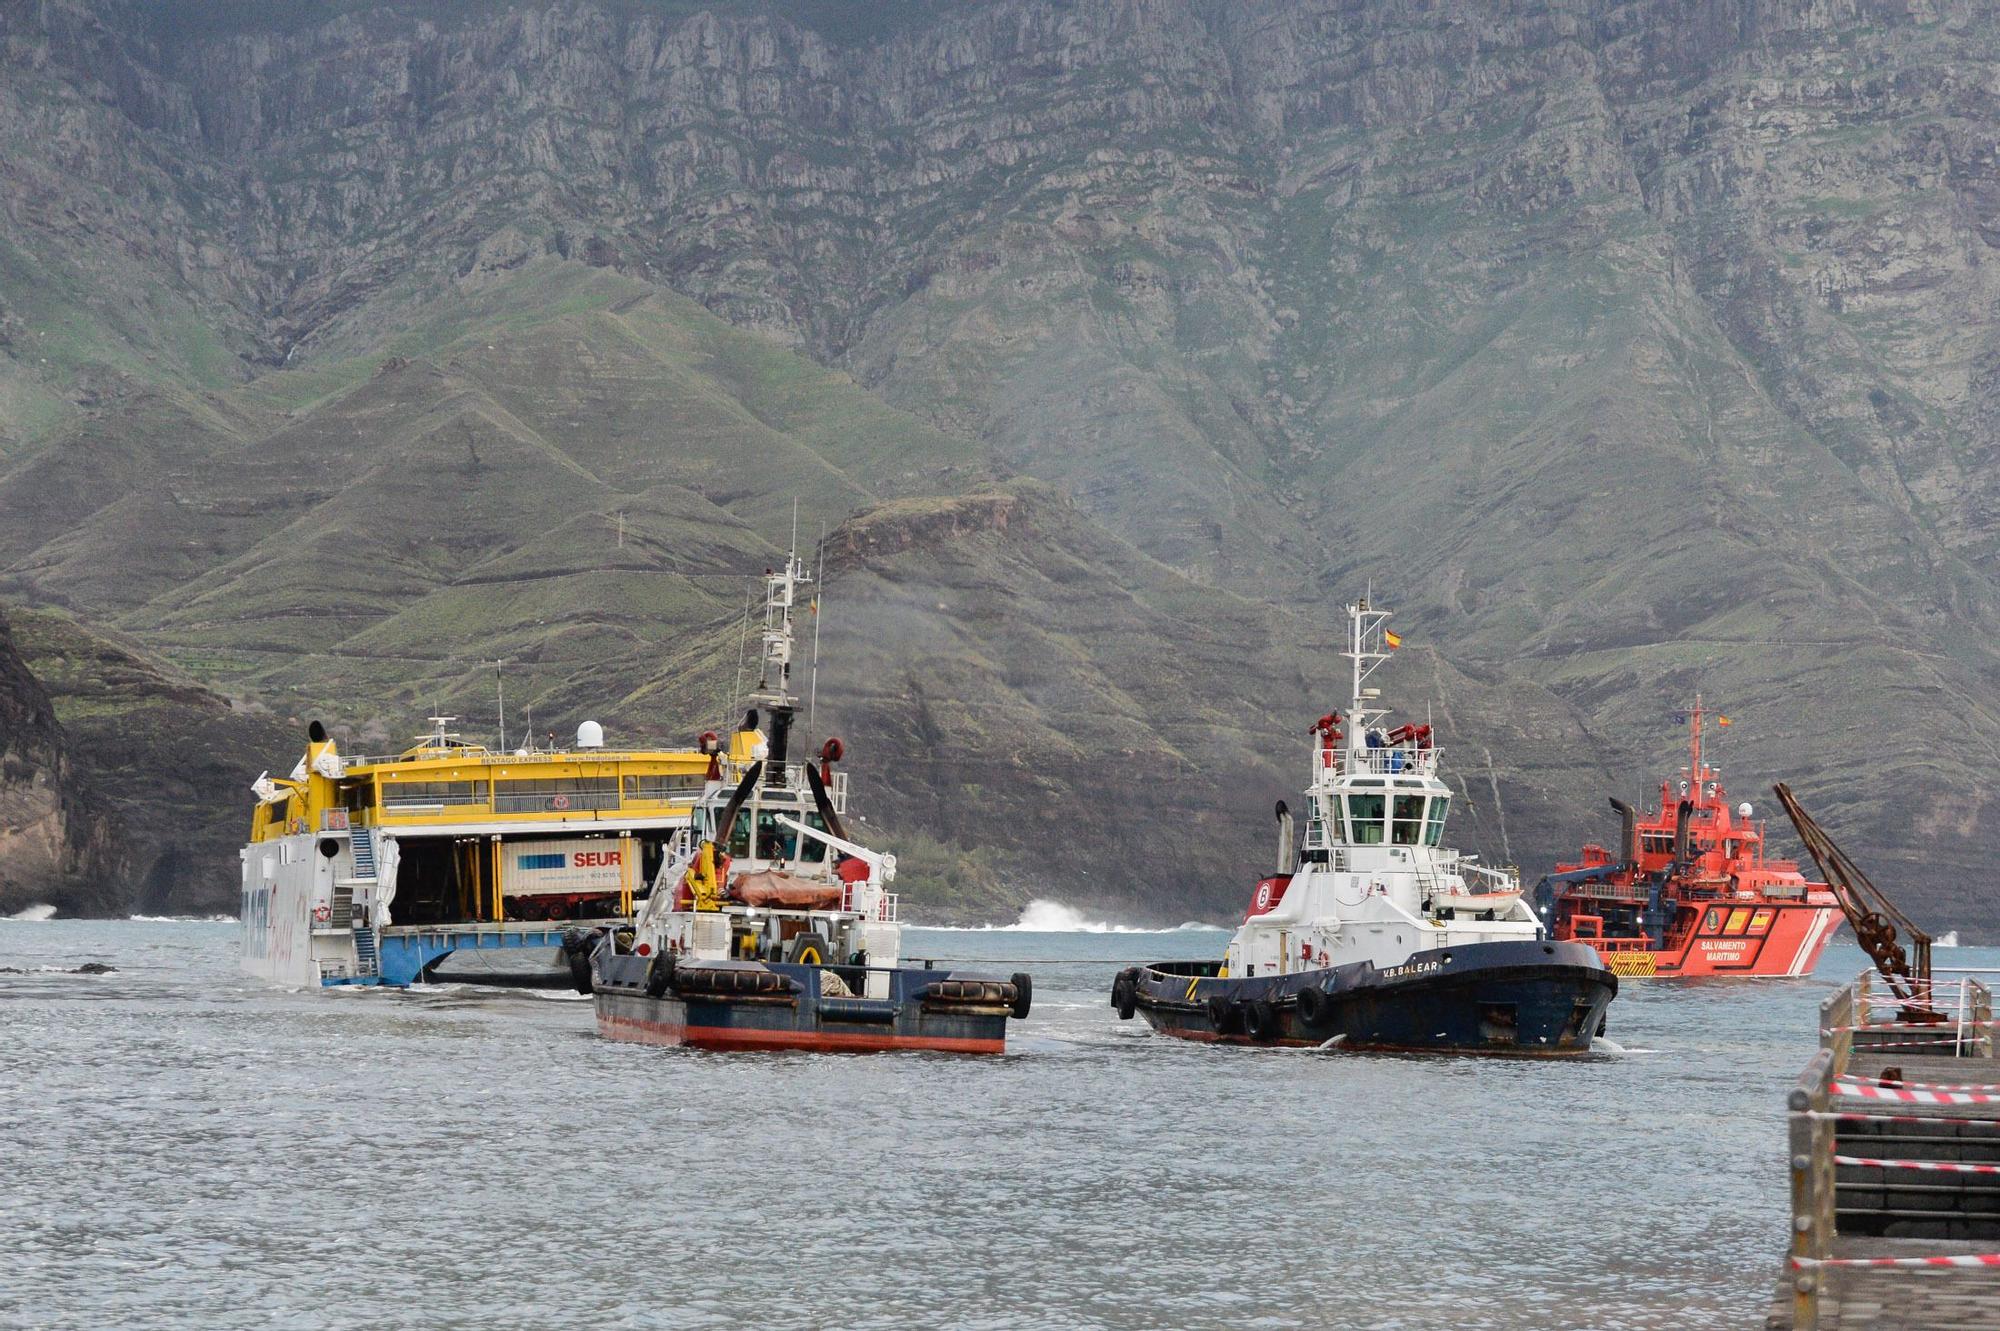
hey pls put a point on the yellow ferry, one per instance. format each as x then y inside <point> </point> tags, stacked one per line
<point>453,861</point>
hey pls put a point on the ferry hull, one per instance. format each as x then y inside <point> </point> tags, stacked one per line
<point>1789,947</point>
<point>802,1018</point>
<point>1534,999</point>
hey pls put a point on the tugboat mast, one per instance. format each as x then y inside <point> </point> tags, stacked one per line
<point>774,678</point>
<point>1366,652</point>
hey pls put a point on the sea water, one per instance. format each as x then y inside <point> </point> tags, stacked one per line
<point>182,1146</point>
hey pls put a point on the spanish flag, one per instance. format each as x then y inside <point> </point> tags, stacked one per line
<point>1721,720</point>
<point>1393,638</point>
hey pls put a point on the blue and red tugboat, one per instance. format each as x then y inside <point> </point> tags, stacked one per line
<point>768,926</point>
<point>1371,934</point>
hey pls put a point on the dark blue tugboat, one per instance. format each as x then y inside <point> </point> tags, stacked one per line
<point>767,926</point>
<point>1372,935</point>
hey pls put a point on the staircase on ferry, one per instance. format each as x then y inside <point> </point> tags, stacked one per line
<point>362,842</point>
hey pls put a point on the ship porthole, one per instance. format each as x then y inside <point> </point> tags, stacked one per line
<point>1447,958</point>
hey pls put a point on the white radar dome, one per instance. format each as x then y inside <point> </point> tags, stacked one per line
<point>590,735</point>
<point>1744,810</point>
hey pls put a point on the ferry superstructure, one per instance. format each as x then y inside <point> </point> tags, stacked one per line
<point>770,925</point>
<point>383,870</point>
<point>1372,934</point>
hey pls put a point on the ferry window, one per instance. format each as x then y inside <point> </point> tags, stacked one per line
<point>432,794</point>
<point>1339,827</point>
<point>1364,815</point>
<point>562,794</point>
<point>1434,828</point>
<point>739,838</point>
<point>659,786</point>
<point>1408,828</point>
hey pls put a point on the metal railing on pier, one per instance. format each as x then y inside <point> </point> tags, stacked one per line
<point>1951,1018</point>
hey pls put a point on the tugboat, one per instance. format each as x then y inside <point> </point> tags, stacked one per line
<point>1690,891</point>
<point>1371,935</point>
<point>769,926</point>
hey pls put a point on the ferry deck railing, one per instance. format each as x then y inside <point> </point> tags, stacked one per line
<point>1861,1017</point>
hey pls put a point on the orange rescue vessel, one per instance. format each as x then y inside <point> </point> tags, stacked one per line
<point>1690,892</point>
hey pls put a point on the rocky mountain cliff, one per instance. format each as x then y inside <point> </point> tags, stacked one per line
<point>1629,349</point>
<point>57,845</point>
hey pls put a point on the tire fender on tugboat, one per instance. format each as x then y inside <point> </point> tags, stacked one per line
<point>1024,995</point>
<point>1124,995</point>
<point>1221,1014</point>
<point>1260,1019</point>
<point>577,946</point>
<point>660,975</point>
<point>1314,1005</point>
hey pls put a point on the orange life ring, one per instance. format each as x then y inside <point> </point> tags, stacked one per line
<point>559,802</point>
<point>322,913</point>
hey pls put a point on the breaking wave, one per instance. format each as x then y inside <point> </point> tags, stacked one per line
<point>35,912</point>
<point>182,919</point>
<point>1053,917</point>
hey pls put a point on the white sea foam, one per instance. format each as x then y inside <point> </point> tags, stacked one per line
<point>182,919</point>
<point>34,912</point>
<point>1949,938</point>
<point>1042,916</point>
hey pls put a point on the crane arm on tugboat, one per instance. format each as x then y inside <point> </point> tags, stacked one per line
<point>1873,916</point>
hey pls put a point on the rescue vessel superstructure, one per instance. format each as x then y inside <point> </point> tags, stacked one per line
<point>769,924</point>
<point>1373,934</point>
<point>1691,891</point>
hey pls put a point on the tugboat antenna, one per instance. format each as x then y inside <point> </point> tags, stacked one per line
<point>500,688</point>
<point>812,686</point>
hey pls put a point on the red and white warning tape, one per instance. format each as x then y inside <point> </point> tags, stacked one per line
<point>1941,1027</point>
<point>1857,1079</point>
<point>1966,1259</point>
<point>1836,1116</point>
<point>1944,1042</point>
<point>1931,1166</point>
<point>1909,1097</point>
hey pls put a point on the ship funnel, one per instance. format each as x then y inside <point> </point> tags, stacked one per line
<point>1287,855</point>
<point>781,743</point>
<point>590,735</point>
<point>1629,838</point>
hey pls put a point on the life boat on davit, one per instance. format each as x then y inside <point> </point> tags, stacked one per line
<point>768,926</point>
<point>1371,934</point>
